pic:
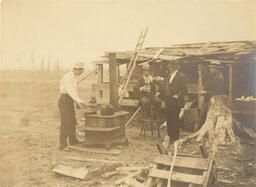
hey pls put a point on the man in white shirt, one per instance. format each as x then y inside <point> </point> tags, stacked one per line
<point>68,90</point>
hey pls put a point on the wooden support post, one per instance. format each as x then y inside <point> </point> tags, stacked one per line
<point>118,74</point>
<point>200,87</point>
<point>113,80</point>
<point>100,73</point>
<point>230,81</point>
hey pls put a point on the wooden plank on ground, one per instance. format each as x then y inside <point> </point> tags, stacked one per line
<point>150,179</point>
<point>130,168</point>
<point>186,162</point>
<point>180,177</point>
<point>207,174</point>
<point>131,176</point>
<point>79,173</point>
<point>101,129</point>
<point>92,160</point>
<point>187,155</point>
<point>133,182</point>
<point>96,150</point>
<point>160,183</point>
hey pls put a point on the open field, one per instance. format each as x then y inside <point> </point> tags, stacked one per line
<point>29,135</point>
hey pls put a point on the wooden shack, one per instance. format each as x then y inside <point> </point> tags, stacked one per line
<point>236,60</point>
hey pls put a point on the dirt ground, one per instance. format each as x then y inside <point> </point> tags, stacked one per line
<point>29,135</point>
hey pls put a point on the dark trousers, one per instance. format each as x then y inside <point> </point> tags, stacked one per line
<point>68,120</point>
<point>150,106</point>
<point>172,117</point>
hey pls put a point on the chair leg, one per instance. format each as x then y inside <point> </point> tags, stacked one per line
<point>158,129</point>
<point>142,128</point>
<point>145,128</point>
<point>152,128</point>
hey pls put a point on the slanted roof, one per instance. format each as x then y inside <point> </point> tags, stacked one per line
<point>222,52</point>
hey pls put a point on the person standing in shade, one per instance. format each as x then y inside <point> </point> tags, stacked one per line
<point>69,96</point>
<point>174,92</point>
<point>214,84</point>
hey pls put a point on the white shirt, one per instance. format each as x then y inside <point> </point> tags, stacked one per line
<point>68,85</point>
<point>171,79</point>
<point>172,76</point>
<point>148,79</point>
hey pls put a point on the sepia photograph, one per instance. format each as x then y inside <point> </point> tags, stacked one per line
<point>127,93</point>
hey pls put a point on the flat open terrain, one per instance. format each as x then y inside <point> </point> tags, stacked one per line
<point>29,150</point>
<point>29,133</point>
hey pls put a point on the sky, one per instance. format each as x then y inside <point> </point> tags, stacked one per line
<point>71,30</point>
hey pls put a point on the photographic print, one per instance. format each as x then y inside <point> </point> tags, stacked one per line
<point>140,93</point>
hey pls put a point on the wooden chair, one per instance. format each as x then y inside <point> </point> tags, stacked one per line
<point>148,123</point>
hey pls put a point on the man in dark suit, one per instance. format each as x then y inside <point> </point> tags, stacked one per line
<point>174,92</point>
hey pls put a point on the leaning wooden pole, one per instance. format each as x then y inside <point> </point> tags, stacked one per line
<point>113,80</point>
<point>133,116</point>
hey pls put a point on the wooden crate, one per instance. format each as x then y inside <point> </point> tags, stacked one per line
<point>187,171</point>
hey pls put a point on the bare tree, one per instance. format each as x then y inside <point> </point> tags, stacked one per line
<point>42,64</point>
<point>49,63</point>
<point>32,56</point>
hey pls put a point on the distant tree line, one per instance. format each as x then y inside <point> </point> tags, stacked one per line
<point>38,68</point>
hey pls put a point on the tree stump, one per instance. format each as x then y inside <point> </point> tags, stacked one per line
<point>218,126</point>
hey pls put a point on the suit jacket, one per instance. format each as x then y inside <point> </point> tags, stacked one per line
<point>178,87</point>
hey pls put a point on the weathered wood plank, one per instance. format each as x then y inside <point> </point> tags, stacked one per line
<point>186,162</point>
<point>100,129</point>
<point>96,150</point>
<point>180,177</point>
<point>79,173</point>
<point>131,176</point>
<point>149,181</point>
<point>133,182</point>
<point>207,174</point>
<point>92,160</point>
<point>130,168</point>
<point>160,183</point>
